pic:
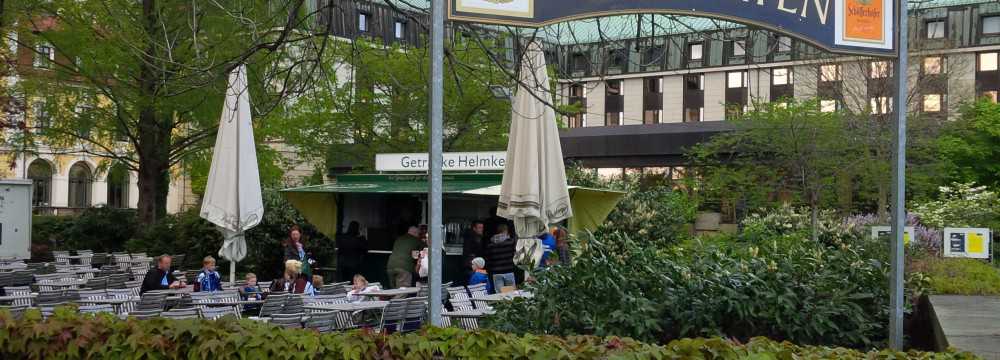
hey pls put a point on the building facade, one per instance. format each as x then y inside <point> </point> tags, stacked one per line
<point>644,99</point>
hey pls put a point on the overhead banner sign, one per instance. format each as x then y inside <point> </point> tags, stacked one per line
<point>967,242</point>
<point>458,161</point>
<point>845,26</point>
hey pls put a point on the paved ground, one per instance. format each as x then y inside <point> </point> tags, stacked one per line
<point>970,323</point>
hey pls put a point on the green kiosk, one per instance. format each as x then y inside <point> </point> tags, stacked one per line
<point>386,204</point>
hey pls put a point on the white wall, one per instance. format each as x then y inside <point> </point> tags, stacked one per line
<point>961,70</point>
<point>715,96</point>
<point>595,103</point>
<point>633,101</point>
<point>673,99</point>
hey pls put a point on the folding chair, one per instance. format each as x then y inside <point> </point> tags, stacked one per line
<point>416,314</point>
<point>321,322</point>
<point>214,313</point>
<point>273,304</point>
<point>288,321</point>
<point>93,309</point>
<point>393,316</point>
<point>144,314</point>
<point>22,291</point>
<point>177,314</point>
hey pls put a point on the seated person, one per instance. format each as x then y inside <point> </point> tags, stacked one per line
<point>160,277</point>
<point>479,275</point>
<point>360,286</point>
<point>251,291</point>
<point>293,281</point>
<point>208,279</point>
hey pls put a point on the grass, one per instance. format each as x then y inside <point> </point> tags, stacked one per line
<point>960,276</point>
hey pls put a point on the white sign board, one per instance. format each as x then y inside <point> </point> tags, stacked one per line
<point>967,242</point>
<point>886,231</point>
<point>459,161</point>
<point>15,218</point>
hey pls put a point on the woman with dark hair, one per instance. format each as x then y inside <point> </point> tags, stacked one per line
<point>351,251</point>
<point>295,251</point>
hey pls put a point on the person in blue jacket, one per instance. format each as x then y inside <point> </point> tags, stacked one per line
<point>479,275</point>
<point>208,278</point>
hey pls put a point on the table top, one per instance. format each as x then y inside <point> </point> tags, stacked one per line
<point>468,313</point>
<point>364,305</point>
<point>392,292</point>
<point>503,296</point>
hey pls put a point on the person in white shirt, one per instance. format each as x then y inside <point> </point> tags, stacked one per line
<point>360,286</point>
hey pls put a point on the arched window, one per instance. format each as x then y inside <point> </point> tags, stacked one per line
<point>40,173</point>
<point>118,186</point>
<point>80,180</point>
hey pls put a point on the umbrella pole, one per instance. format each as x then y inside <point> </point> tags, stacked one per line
<point>232,272</point>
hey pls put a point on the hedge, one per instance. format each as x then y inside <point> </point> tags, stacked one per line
<point>68,335</point>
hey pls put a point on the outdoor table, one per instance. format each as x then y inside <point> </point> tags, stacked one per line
<point>392,293</point>
<point>350,307</point>
<point>468,313</point>
<point>502,296</point>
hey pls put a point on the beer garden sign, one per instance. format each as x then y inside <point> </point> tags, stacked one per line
<point>843,26</point>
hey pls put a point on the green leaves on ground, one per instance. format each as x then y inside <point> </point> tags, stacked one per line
<point>959,276</point>
<point>71,336</point>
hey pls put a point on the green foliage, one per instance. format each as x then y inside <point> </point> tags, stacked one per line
<point>777,147</point>
<point>961,205</point>
<point>182,233</point>
<point>782,287</point>
<point>70,336</point>
<point>100,229</point>
<point>960,276</point>
<point>970,146</point>
<point>382,105</point>
<point>650,211</point>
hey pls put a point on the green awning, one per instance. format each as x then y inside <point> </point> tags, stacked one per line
<point>318,203</point>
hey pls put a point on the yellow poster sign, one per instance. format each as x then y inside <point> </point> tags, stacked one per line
<point>977,244</point>
<point>864,20</point>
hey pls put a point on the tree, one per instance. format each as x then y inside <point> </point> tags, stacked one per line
<point>141,82</point>
<point>374,99</point>
<point>970,146</point>
<point>778,147</point>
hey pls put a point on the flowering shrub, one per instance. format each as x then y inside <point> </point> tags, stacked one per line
<point>961,205</point>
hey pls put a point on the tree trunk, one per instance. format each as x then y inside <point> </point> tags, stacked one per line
<point>153,143</point>
<point>814,215</point>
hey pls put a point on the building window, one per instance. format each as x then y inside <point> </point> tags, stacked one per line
<point>694,114</point>
<point>616,58</point>
<point>613,118</point>
<point>739,48</point>
<point>614,87</point>
<point>991,25</point>
<point>42,118</point>
<point>362,22</point>
<point>652,116</point>
<point>652,55</point>
<point>695,82</point>
<point>988,62</point>
<point>653,85</point>
<point>118,185</point>
<point>44,56</point>
<point>829,73</point>
<point>932,102</point>
<point>829,105</point>
<point>399,29</point>
<point>881,105</point>
<point>580,62</point>
<point>933,65</point>
<point>935,29</point>
<point>40,174</point>
<point>80,181</point>
<point>736,80</point>
<point>881,69</point>
<point>781,76</point>
<point>694,51</point>
<point>576,96</point>
<point>784,44</point>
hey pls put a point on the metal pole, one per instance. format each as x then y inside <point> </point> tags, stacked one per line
<point>899,181</point>
<point>434,193</point>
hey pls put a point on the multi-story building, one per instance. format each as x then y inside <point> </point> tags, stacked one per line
<point>646,98</point>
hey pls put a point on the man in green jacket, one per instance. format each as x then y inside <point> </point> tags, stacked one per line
<point>402,262</point>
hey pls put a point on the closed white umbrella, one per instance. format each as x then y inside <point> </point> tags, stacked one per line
<point>533,193</point>
<point>232,197</point>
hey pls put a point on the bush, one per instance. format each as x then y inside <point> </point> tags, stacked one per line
<point>783,288</point>
<point>959,276</point>
<point>100,229</point>
<point>650,211</point>
<point>961,205</point>
<point>181,233</point>
<point>71,336</point>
